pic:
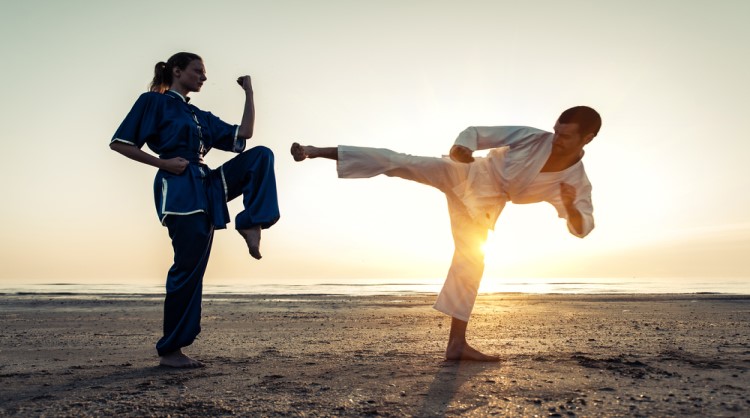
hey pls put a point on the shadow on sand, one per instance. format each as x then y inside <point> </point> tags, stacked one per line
<point>445,387</point>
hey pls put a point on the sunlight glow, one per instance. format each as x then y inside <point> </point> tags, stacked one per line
<point>668,168</point>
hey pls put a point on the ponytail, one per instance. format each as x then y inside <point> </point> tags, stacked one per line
<point>163,70</point>
<point>162,79</point>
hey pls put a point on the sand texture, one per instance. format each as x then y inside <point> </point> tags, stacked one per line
<point>563,356</point>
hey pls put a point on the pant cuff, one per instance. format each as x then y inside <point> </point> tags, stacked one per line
<point>451,312</point>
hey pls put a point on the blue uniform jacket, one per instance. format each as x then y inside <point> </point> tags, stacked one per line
<point>171,127</point>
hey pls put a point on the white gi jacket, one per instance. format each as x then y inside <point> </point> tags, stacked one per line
<point>512,172</point>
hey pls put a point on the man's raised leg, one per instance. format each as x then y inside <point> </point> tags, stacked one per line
<point>365,162</point>
<point>468,263</point>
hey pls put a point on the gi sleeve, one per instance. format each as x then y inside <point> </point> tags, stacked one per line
<point>586,208</point>
<point>223,135</point>
<point>486,137</point>
<point>142,122</point>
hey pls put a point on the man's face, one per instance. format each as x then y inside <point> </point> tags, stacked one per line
<point>192,77</point>
<point>568,139</point>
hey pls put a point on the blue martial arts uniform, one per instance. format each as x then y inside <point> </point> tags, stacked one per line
<point>193,204</point>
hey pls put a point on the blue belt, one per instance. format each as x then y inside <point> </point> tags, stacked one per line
<point>190,156</point>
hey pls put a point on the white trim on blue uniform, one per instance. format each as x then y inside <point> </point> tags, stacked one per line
<point>224,183</point>
<point>164,189</point>
<point>121,140</point>
<point>184,99</point>
<point>164,218</point>
<point>239,143</point>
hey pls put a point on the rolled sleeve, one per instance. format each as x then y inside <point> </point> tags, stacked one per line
<point>487,137</point>
<point>223,135</point>
<point>587,221</point>
<point>586,209</point>
<point>239,143</point>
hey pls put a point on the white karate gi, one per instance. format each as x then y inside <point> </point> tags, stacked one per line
<point>477,193</point>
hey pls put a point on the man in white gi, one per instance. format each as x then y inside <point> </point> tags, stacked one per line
<point>524,165</point>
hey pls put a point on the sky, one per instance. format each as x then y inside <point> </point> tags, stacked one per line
<point>669,171</point>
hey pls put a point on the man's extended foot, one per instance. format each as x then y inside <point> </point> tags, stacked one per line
<point>252,238</point>
<point>178,360</point>
<point>298,152</point>
<point>458,352</point>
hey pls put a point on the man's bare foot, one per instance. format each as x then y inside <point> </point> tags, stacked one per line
<point>458,352</point>
<point>303,152</point>
<point>178,360</point>
<point>252,238</point>
<point>298,152</point>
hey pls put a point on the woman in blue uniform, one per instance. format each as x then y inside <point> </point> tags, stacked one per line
<point>191,199</point>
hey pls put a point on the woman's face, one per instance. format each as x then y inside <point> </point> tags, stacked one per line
<point>191,78</point>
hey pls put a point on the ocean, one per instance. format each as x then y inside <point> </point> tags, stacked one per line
<point>355,287</point>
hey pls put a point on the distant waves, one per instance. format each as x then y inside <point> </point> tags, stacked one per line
<point>357,287</point>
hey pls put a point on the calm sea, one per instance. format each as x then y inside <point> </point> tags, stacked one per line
<point>354,287</point>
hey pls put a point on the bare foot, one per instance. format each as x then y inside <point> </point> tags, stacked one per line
<point>458,352</point>
<point>252,238</point>
<point>178,360</point>
<point>298,152</point>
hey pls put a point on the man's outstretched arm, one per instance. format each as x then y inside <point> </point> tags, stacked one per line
<point>477,138</point>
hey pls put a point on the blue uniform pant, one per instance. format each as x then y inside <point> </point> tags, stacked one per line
<point>249,174</point>
<point>191,236</point>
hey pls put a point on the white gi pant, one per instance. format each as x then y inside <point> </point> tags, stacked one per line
<point>475,199</point>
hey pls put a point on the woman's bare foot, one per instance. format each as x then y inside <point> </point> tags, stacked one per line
<point>252,239</point>
<point>298,152</point>
<point>178,360</point>
<point>463,351</point>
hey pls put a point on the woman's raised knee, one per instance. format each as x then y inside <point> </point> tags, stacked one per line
<point>261,151</point>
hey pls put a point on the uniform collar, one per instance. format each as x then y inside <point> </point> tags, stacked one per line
<point>176,95</point>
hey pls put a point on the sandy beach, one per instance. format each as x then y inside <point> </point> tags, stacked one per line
<point>563,356</point>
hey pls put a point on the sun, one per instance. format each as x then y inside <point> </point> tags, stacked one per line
<point>524,234</point>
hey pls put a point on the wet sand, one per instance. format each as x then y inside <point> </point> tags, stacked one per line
<point>563,355</point>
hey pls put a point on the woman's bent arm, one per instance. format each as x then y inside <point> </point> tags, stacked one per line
<point>248,115</point>
<point>173,165</point>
